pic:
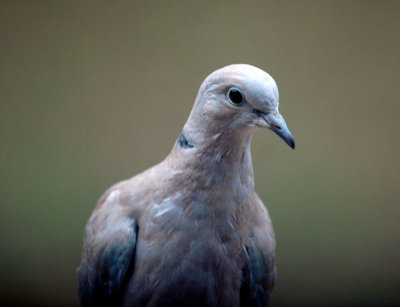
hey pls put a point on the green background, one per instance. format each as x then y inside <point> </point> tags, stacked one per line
<point>95,92</point>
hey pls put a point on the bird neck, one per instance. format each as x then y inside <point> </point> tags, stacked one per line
<point>222,157</point>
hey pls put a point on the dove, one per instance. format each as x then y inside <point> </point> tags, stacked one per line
<point>191,230</point>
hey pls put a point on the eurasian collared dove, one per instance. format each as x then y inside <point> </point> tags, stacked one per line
<point>191,231</point>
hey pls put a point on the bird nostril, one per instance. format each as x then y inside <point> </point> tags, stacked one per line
<point>276,126</point>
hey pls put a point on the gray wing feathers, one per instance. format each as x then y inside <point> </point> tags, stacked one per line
<point>103,275</point>
<point>258,277</point>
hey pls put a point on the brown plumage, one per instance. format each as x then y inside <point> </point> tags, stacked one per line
<point>191,230</point>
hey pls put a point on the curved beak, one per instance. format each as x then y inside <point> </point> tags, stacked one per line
<point>277,124</point>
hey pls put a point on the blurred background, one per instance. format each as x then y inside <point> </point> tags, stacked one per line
<point>95,92</point>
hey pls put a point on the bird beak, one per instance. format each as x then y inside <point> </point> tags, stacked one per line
<point>277,124</point>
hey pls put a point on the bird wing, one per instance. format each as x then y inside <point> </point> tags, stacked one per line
<point>109,251</point>
<point>258,278</point>
<point>259,270</point>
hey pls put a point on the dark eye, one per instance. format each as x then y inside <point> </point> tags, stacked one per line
<point>235,96</point>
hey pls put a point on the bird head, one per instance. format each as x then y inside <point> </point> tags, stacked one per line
<point>239,98</point>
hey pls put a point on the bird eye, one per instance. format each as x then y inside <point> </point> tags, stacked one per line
<point>235,96</point>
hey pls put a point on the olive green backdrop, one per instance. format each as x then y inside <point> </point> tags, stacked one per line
<point>94,92</point>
